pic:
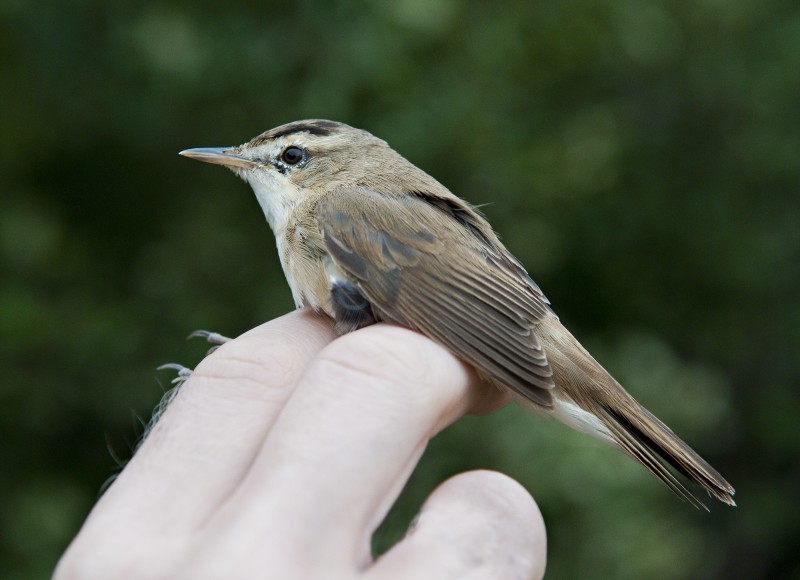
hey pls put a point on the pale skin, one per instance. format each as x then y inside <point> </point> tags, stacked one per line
<point>284,451</point>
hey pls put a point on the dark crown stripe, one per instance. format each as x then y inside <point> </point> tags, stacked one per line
<point>321,128</point>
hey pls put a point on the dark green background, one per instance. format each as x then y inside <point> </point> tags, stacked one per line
<point>642,158</point>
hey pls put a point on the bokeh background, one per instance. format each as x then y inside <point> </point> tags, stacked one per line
<point>641,157</point>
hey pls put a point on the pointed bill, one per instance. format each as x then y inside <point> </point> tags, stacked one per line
<point>218,156</point>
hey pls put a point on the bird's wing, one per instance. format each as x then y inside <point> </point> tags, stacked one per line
<point>422,264</point>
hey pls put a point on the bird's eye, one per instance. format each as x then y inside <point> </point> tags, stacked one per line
<point>292,155</point>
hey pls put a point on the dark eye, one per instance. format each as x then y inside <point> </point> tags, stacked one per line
<point>292,155</point>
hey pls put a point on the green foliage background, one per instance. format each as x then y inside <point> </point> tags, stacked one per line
<point>641,157</point>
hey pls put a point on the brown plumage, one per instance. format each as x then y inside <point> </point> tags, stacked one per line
<point>365,236</point>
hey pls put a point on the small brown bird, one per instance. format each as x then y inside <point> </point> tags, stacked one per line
<point>365,236</point>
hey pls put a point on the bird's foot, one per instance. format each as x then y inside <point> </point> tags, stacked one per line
<point>213,338</point>
<point>183,372</point>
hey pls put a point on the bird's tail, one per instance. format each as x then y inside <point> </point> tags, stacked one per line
<point>645,438</point>
<point>588,399</point>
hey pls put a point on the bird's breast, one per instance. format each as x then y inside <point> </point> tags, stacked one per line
<point>303,265</point>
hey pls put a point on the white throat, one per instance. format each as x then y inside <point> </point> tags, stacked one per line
<point>276,199</point>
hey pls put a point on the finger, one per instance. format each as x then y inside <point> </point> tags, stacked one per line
<point>350,436</point>
<point>477,525</point>
<point>208,436</point>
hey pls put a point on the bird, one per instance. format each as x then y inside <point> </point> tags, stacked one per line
<point>365,236</point>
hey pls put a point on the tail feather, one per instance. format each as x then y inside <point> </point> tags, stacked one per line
<point>642,436</point>
<point>590,400</point>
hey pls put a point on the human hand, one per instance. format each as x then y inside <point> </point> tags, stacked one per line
<point>283,452</point>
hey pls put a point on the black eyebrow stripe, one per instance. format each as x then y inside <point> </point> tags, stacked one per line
<point>321,128</point>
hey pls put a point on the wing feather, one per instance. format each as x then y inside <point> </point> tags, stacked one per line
<point>458,288</point>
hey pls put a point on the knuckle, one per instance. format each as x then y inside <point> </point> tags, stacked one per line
<point>395,362</point>
<point>268,362</point>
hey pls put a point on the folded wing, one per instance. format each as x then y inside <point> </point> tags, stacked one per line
<point>434,266</point>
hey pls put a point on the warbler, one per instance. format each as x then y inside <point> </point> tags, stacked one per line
<point>365,236</point>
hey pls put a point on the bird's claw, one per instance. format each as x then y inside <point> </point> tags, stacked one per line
<point>210,337</point>
<point>183,372</point>
<point>214,338</point>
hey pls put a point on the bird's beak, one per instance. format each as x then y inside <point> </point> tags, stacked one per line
<point>219,156</point>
